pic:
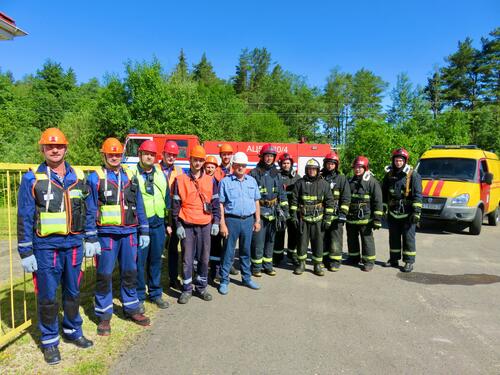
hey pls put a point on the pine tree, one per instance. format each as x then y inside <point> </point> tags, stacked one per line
<point>203,71</point>
<point>181,73</point>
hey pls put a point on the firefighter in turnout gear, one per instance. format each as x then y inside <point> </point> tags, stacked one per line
<point>117,219</point>
<point>273,203</point>
<point>365,214</point>
<point>402,195</point>
<point>342,198</point>
<point>290,177</point>
<point>312,211</point>
<point>50,225</point>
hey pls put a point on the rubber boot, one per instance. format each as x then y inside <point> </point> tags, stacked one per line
<point>318,269</point>
<point>301,267</point>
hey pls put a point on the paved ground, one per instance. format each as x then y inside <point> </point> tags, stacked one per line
<point>443,318</point>
<point>17,270</point>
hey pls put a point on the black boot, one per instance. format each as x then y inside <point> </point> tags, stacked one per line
<point>408,267</point>
<point>51,355</point>
<point>334,266</point>
<point>318,269</point>
<point>367,267</point>
<point>300,268</point>
<point>82,342</point>
<point>352,261</point>
<point>392,263</point>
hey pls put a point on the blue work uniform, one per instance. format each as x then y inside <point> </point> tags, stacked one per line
<point>115,215</point>
<point>43,194</point>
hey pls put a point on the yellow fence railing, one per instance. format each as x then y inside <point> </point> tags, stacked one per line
<point>17,305</point>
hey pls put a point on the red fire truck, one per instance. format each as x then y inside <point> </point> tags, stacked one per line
<point>301,152</point>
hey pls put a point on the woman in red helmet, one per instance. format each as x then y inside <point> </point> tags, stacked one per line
<point>402,194</point>
<point>365,214</point>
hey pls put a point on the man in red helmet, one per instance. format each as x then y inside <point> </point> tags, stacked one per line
<point>290,177</point>
<point>365,214</point>
<point>402,195</point>
<point>171,171</point>
<point>273,196</point>
<point>342,198</point>
<point>156,196</point>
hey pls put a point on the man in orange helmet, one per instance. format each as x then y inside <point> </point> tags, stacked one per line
<point>226,153</point>
<point>116,218</point>
<point>156,195</point>
<point>365,214</point>
<point>51,219</point>
<point>196,213</point>
<point>171,171</point>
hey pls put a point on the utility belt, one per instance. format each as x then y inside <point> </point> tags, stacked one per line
<point>311,210</point>
<point>268,203</point>
<point>399,206</point>
<point>359,210</point>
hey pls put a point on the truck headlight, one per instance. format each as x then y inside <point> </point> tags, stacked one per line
<point>460,200</point>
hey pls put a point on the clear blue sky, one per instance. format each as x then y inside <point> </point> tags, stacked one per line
<point>307,37</point>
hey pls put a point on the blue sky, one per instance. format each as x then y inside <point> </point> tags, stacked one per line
<point>307,38</point>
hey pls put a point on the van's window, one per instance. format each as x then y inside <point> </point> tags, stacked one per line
<point>483,169</point>
<point>447,169</point>
<point>132,146</point>
<point>183,147</point>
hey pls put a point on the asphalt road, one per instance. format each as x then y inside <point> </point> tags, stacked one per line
<point>442,318</point>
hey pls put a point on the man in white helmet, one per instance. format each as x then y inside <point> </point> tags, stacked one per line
<point>240,216</point>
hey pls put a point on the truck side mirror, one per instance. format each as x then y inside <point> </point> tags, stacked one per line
<point>488,178</point>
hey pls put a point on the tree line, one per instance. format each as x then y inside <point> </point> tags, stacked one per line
<point>261,102</point>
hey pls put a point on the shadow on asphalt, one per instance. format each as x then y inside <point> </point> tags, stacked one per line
<point>439,279</point>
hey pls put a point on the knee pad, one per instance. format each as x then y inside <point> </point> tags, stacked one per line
<point>129,279</point>
<point>103,283</point>
<point>71,305</point>
<point>48,311</point>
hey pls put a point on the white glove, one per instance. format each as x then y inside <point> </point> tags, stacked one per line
<point>180,232</point>
<point>143,241</point>
<point>29,264</point>
<point>215,230</point>
<point>92,249</point>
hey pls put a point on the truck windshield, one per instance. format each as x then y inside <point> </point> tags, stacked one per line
<point>447,169</point>
<point>132,146</point>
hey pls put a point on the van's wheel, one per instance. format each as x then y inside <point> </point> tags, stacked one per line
<point>475,227</point>
<point>493,218</point>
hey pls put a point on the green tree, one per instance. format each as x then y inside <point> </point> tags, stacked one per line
<point>367,95</point>
<point>489,68</point>
<point>434,93</point>
<point>181,73</point>
<point>203,72</point>
<point>337,99</point>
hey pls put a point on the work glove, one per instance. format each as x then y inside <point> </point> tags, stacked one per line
<point>377,224</point>
<point>414,218</point>
<point>325,225</point>
<point>180,232</point>
<point>295,222</point>
<point>144,241</point>
<point>342,218</point>
<point>29,264</point>
<point>385,209</point>
<point>214,231</point>
<point>92,249</point>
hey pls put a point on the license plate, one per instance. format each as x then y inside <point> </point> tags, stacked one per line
<point>431,206</point>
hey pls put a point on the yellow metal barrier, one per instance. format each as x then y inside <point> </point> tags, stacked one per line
<point>12,321</point>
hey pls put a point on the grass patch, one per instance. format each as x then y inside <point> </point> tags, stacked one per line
<point>23,356</point>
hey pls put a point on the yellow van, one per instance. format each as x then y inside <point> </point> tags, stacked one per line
<point>460,184</point>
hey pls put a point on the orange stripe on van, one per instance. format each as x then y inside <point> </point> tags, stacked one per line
<point>437,189</point>
<point>428,187</point>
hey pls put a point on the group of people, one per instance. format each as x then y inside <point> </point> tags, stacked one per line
<point>132,214</point>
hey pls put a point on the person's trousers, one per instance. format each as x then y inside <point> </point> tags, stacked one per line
<point>58,266</point>
<point>196,245</point>
<point>121,247</point>
<point>365,232</point>
<point>173,255</point>
<point>215,254</point>
<point>279,243</point>
<point>149,265</point>
<point>310,232</point>
<point>401,231</point>
<point>263,246</point>
<point>239,229</point>
<point>333,243</point>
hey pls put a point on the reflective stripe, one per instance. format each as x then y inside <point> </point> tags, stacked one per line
<point>335,257</point>
<point>269,217</point>
<point>410,253</point>
<point>214,258</point>
<point>24,244</point>
<point>417,204</point>
<point>329,210</point>
<point>379,213</point>
<point>41,176</point>
<point>284,204</point>
<point>69,331</point>
<point>353,254</point>
<point>256,261</point>
<point>363,196</point>
<point>176,197</point>
<point>344,207</point>
<point>369,257</point>
<point>336,193</point>
<point>53,223</point>
<point>267,260</point>
<point>75,193</point>
<point>111,214</point>
<point>401,216</point>
<point>130,303</point>
<point>316,259</point>
<point>278,251</point>
<point>187,281</point>
<point>104,309</point>
<point>92,233</point>
<point>313,219</point>
<point>291,251</point>
<point>302,257</point>
<point>293,208</point>
<point>53,220</point>
<point>359,222</point>
<point>309,197</point>
<point>395,251</point>
<point>51,341</point>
